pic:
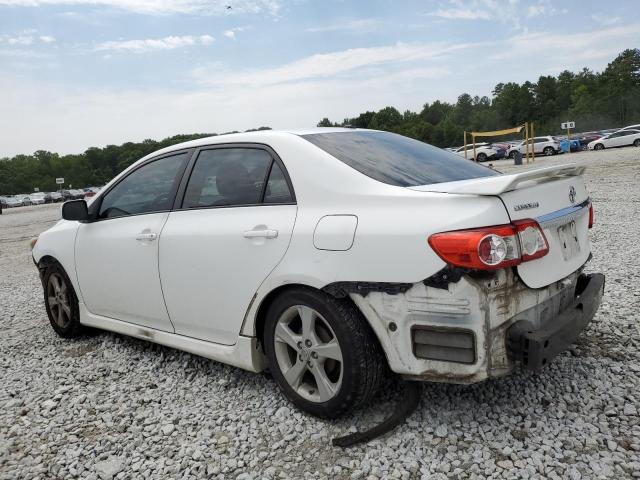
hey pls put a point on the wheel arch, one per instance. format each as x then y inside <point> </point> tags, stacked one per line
<point>261,312</point>
<point>268,299</point>
<point>46,261</point>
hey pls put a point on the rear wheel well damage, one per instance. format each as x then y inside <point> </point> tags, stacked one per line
<point>268,300</point>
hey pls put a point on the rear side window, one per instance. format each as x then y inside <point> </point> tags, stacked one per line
<point>397,160</point>
<point>277,190</point>
<point>227,176</point>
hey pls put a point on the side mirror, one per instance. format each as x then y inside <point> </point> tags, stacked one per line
<point>75,210</point>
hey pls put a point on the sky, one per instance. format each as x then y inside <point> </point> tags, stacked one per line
<point>82,73</point>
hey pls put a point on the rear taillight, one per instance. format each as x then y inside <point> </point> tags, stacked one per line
<point>491,248</point>
<point>590,214</point>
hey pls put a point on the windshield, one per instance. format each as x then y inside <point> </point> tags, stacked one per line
<point>397,160</point>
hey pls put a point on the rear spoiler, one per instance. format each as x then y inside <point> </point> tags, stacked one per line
<point>504,183</point>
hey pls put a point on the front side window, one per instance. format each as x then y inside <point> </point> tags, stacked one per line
<point>227,176</point>
<point>147,189</point>
<point>395,159</point>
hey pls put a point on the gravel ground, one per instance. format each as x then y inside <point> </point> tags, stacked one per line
<point>107,406</point>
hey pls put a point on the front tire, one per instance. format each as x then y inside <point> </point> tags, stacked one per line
<point>321,352</point>
<point>61,302</point>
<point>598,146</point>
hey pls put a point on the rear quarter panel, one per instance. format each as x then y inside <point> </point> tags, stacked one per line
<point>393,225</point>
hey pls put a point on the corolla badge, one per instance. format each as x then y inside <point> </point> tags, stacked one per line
<point>526,206</point>
<point>572,194</point>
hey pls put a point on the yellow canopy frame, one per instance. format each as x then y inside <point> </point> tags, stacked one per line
<point>528,135</point>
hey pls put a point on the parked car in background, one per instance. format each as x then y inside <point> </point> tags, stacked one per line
<point>608,131</point>
<point>11,201</point>
<point>621,138</point>
<point>37,198</point>
<point>52,197</point>
<point>67,195</point>
<point>90,192</point>
<point>484,152</point>
<point>24,198</point>
<point>587,137</point>
<point>565,145</point>
<point>546,145</point>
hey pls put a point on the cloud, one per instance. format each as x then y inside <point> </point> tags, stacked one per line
<point>542,7</point>
<point>461,14</point>
<point>25,38</point>
<point>149,45</point>
<point>161,7</point>
<point>22,40</point>
<point>324,65</point>
<point>364,25</point>
<point>231,33</point>
<point>605,18</point>
<point>558,48</point>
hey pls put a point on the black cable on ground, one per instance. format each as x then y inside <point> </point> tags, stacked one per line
<point>404,408</point>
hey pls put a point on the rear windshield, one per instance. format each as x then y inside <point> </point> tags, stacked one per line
<point>397,160</point>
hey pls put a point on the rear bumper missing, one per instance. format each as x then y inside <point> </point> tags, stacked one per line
<point>535,347</point>
<point>468,328</point>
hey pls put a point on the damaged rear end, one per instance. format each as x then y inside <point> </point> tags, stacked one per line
<point>510,294</point>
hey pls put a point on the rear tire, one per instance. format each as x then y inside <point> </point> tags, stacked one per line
<point>598,146</point>
<point>482,157</point>
<point>636,143</point>
<point>321,352</point>
<point>61,302</point>
<point>548,151</point>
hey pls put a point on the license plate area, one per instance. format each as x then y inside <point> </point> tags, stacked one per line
<point>568,238</point>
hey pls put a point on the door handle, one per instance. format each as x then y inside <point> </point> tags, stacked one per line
<point>261,234</point>
<point>148,236</point>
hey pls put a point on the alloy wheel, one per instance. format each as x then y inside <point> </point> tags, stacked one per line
<point>308,354</point>
<point>58,300</point>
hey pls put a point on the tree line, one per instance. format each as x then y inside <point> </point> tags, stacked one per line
<point>94,167</point>
<point>607,99</point>
<point>595,101</point>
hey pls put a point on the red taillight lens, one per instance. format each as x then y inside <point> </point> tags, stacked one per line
<point>491,248</point>
<point>590,214</point>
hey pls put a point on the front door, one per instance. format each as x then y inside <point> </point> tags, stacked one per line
<point>117,254</point>
<point>234,227</point>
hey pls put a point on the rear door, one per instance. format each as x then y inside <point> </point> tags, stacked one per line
<point>231,230</point>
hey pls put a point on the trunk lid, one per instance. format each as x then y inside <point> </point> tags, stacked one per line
<point>554,196</point>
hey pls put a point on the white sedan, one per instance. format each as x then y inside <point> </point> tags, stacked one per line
<point>621,138</point>
<point>329,256</point>
<point>484,152</point>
